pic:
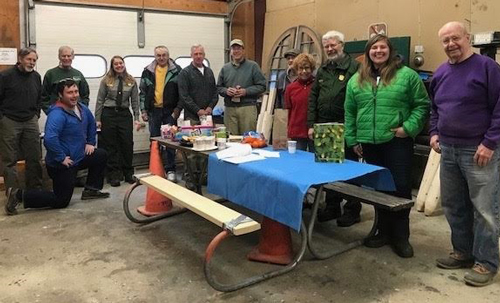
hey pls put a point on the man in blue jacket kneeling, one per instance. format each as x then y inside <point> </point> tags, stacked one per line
<point>70,138</point>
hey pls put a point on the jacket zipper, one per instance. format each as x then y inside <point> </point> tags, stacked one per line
<point>374,91</point>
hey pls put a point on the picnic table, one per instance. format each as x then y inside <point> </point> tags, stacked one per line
<point>276,187</point>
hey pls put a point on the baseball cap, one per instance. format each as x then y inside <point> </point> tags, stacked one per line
<point>237,42</point>
<point>291,52</point>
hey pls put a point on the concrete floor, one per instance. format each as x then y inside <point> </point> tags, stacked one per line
<point>91,253</point>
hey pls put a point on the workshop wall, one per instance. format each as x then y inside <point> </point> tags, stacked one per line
<point>418,19</point>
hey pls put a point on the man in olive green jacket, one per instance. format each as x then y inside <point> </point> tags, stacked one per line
<point>326,104</point>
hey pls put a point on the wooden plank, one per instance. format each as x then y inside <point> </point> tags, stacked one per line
<point>204,207</point>
<point>263,107</point>
<point>267,125</point>
<point>9,25</point>
<point>265,100</point>
<point>433,199</point>
<point>429,172</point>
<point>271,101</point>
<point>368,196</point>
<point>195,6</point>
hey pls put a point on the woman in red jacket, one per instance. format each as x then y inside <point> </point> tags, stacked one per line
<point>296,96</point>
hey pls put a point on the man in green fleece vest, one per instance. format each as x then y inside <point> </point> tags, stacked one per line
<point>63,71</point>
<point>240,83</point>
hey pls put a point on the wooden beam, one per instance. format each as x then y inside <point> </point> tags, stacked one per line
<point>9,26</point>
<point>243,28</point>
<point>217,7</point>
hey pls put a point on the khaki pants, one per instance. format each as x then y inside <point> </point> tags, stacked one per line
<point>14,138</point>
<point>239,120</point>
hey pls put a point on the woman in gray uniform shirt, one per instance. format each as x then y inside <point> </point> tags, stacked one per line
<point>117,93</point>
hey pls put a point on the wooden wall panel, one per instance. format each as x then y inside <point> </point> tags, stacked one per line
<point>196,6</point>
<point>415,18</point>
<point>259,18</point>
<point>279,21</point>
<point>9,26</point>
<point>243,27</point>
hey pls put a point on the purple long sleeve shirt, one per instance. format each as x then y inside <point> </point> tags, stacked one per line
<point>466,102</point>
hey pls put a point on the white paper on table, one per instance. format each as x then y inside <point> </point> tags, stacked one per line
<point>234,151</point>
<point>231,144</point>
<point>244,159</point>
<point>266,153</point>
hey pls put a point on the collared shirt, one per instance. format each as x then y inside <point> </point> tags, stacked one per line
<point>160,74</point>
<point>106,97</point>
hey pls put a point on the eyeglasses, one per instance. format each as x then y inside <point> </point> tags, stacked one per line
<point>304,68</point>
<point>453,39</point>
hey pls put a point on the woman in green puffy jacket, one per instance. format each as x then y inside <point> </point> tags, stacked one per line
<point>386,106</point>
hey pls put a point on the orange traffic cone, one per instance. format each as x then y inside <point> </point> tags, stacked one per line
<point>275,244</point>
<point>156,203</point>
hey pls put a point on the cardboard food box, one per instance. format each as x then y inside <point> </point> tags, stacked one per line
<point>329,142</point>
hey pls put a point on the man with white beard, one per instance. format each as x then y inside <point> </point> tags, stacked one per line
<point>326,104</point>
<point>20,102</point>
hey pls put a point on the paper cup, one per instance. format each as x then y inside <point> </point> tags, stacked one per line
<point>221,143</point>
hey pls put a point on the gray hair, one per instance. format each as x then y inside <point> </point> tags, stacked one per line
<point>195,46</point>
<point>333,35</point>
<point>66,47</point>
<point>23,52</point>
<point>162,47</point>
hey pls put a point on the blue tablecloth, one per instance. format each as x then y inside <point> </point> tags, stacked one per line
<point>276,187</point>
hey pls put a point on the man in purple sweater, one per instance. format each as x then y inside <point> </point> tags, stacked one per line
<point>465,129</point>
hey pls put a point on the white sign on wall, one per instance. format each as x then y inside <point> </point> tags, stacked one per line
<point>377,28</point>
<point>8,56</point>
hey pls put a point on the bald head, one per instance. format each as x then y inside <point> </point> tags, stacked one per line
<point>455,25</point>
<point>455,40</point>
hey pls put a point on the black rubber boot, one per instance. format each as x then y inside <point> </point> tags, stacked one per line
<point>351,215</point>
<point>330,212</point>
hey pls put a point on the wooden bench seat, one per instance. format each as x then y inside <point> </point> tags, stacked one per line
<point>368,196</point>
<point>214,212</point>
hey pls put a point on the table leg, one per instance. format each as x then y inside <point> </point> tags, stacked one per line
<point>202,174</point>
<point>191,177</point>
<point>325,255</point>
<point>129,215</point>
<point>255,279</point>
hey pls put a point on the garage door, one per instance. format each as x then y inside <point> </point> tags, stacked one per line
<point>97,34</point>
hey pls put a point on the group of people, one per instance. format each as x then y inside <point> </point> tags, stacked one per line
<point>69,136</point>
<point>70,131</point>
<point>382,103</point>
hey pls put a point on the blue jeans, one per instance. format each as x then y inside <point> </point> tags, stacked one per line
<point>157,118</point>
<point>470,197</point>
